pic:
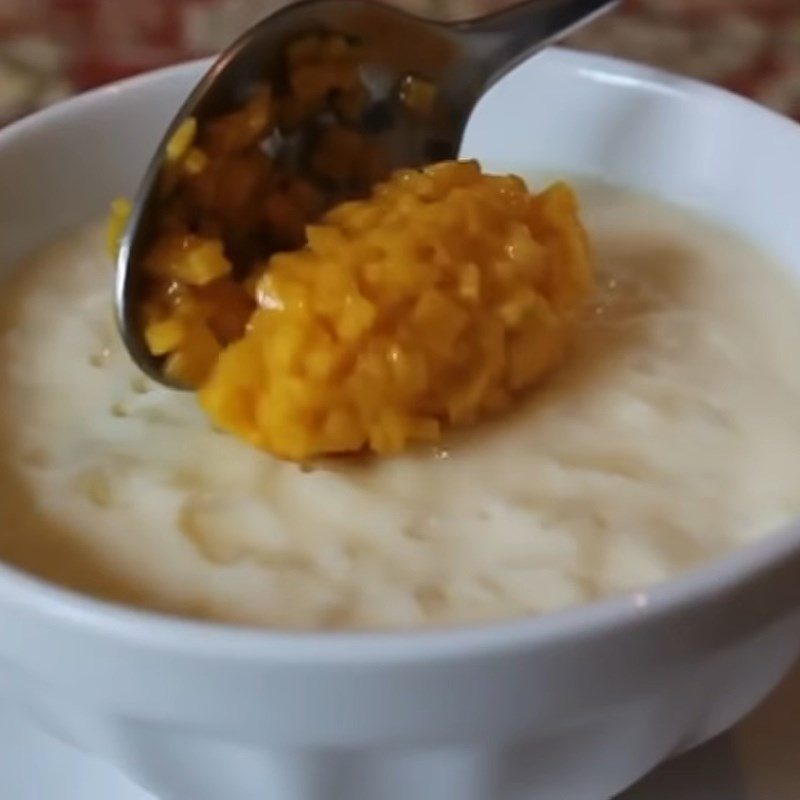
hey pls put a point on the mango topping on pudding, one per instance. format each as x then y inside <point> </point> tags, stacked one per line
<point>435,301</point>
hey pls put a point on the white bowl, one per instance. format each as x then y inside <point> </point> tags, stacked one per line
<point>570,706</point>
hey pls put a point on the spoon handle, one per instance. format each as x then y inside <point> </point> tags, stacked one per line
<point>506,38</point>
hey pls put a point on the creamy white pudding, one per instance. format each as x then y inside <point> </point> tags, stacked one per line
<point>670,436</point>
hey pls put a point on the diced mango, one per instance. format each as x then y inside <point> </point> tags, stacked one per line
<point>239,130</point>
<point>192,362</point>
<point>191,259</point>
<point>180,141</point>
<point>118,219</point>
<point>406,313</point>
<point>195,162</point>
<point>164,336</point>
<point>418,95</point>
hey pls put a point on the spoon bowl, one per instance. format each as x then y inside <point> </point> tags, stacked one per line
<point>460,60</point>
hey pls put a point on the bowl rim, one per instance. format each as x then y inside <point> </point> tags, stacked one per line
<point>165,633</point>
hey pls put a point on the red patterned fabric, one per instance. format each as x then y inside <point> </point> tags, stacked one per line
<point>52,48</point>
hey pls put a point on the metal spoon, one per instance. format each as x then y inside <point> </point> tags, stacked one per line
<point>462,59</point>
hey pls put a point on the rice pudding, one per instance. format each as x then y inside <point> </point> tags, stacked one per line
<point>670,436</point>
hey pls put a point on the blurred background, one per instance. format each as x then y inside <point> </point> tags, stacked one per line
<point>50,49</point>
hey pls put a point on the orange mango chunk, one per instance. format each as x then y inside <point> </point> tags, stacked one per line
<point>437,302</point>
